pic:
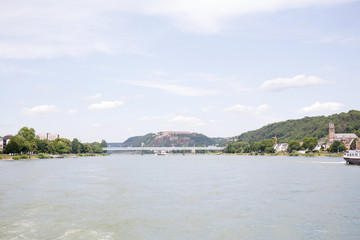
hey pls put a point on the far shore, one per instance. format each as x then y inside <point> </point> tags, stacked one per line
<point>6,157</point>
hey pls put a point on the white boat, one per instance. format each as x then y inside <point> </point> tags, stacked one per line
<point>352,157</point>
<point>161,153</point>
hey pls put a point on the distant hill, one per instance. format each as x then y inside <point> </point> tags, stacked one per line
<point>305,127</point>
<point>169,139</point>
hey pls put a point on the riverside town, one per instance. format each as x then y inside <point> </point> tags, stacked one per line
<point>27,144</point>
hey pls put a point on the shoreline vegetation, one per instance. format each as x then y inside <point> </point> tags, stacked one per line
<point>47,156</point>
<point>27,145</point>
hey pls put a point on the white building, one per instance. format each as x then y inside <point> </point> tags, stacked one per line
<point>6,140</point>
<point>281,147</point>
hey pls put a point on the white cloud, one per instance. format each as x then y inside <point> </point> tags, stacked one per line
<point>158,72</point>
<point>151,118</point>
<point>45,87</point>
<point>95,125</point>
<point>174,89</point>
<point>187,120</point>
<point>9,68</point>
<point>72,111</point>
<point>179,119</point>
<point>133,97</point>
<point>294,82</point>
<point>41,29</point>
<point>216,121</point>
<point>210,16</point>
<point>105,105</point>
<point>93,97</point>
<point>207,109</point>
<point>39,110</point>
<point>249,110</point>
<point>321,107</point>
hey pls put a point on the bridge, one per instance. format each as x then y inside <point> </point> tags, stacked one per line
<point>158,149</point>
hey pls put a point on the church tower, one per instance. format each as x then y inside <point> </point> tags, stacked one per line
<point>331,132</point>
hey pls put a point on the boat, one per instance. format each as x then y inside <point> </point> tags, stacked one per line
<point>352,157</point>
<point>161,153</point>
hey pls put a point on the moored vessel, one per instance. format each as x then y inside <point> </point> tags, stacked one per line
<point>352,157</point>
<point>161,153</point>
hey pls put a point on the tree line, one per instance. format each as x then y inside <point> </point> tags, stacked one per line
<point>267,146</point>
<point>26,141</point>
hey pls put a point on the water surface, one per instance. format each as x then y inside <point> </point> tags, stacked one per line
<point>180,197</point>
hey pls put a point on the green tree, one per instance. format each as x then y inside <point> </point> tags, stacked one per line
<point>255,147</point>
<point>103,143</point>
<point>337,146</point>
<point>12,147</point>
<point>50,146</point>
<point>238,147</point>
<point>24,145</point>
<point>27,133</point>
<point>96,147</point>
<point>310,143</point>
<point>266,143</point>
<point>75,146</point>
<point>33,146</point>
<point>17,144</point>
<point>294,145</point>
<point>269,150</point>
<point>230,149</point>
<point>41,146</point>
<point>87,148</point>
<point>62,145</point>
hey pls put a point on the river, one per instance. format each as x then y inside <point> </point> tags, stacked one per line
<point>180,197</point>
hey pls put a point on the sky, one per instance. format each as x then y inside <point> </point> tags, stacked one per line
<point>110,70</point>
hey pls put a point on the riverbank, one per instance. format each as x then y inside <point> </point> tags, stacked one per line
<point>7,157</point>
<point>49,156</point>
<point>322,154</point>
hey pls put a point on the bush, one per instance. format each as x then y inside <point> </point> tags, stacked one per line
<point>18,157</point>
<point>294,153</point>
<point>42,156</point>
<point>269,150</point>
<point>86,154</point>
<point>337,146</point>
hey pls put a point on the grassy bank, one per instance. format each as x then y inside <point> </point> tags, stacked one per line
<point>289,154</point>
<point>48,156</point>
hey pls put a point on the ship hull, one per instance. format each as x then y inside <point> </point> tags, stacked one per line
<point>354,161</point>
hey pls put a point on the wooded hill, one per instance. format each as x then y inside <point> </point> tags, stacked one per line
<point>305,127</point>
<point>169,139</point>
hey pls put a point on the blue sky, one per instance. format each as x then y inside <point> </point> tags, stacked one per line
<point>114,69</point>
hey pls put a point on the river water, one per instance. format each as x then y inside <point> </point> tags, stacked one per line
<point>180,197</point>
